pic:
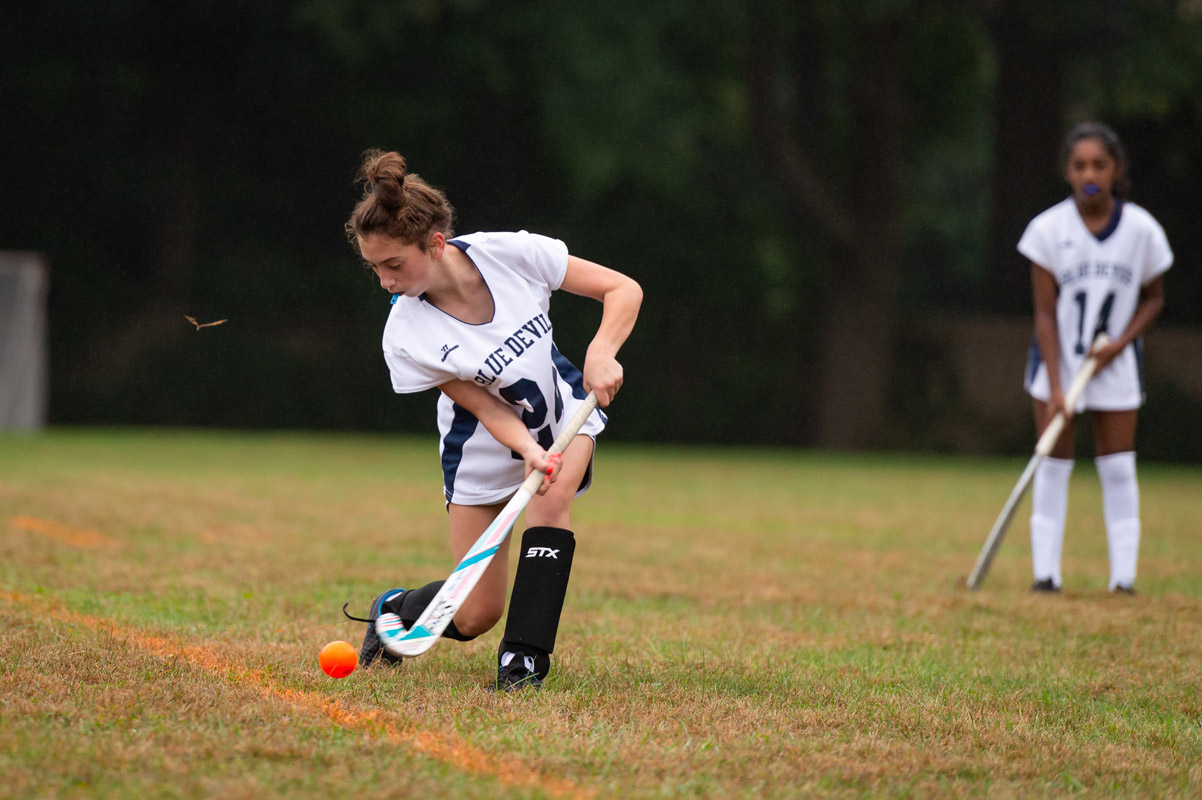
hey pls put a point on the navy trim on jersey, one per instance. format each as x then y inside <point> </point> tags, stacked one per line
<point>567,370</point>
<point>462,427</point>
<point>1034,359</point>
<point>1113,225</point>
<point>574,377</point>
<point>463,246</point>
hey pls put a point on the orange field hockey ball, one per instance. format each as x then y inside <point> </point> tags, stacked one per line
<point>338,659</point>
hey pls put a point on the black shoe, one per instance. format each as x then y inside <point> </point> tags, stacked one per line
<point>371,650</point>
<point>516,672</point>
<point>1045,585</point>
<point>1121,589</point>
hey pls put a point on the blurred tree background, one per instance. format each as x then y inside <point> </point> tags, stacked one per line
<point>797,186</point>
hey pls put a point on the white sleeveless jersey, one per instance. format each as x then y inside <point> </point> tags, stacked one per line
<point>512,355</point>
<point>1099,279</point>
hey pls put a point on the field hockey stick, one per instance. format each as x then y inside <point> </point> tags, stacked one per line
<point>1042,449</point>
<point>455,590</point>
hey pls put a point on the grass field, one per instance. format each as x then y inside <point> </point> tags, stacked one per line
<point>741,624</point>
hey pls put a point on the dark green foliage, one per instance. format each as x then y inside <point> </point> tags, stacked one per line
<point>197,159</point>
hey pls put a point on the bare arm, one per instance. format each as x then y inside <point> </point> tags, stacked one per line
<point>1047,334</point>
<point>620,297</point>
<point>1151,302</point>
<point>500,420</point>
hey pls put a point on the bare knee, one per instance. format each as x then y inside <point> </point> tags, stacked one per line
<point>477,621</point>
<point>554,509</point>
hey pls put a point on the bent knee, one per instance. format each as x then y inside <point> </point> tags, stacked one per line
<point>552,512</point>
<point>474,622</point>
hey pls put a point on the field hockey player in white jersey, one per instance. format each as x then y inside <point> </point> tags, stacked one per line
<point>1097,266</point>
<point>471,317</point>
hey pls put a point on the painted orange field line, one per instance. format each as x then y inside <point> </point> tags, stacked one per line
<point>87,539</point>
<point>450,750</point>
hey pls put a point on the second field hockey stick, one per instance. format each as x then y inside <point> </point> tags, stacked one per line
<point>434,620</point>
<point>1042,449</point>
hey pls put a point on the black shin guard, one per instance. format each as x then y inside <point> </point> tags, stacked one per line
<point>413,603</point>
<point>539,588</point>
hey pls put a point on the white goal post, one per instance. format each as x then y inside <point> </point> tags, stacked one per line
<point>24,360</point>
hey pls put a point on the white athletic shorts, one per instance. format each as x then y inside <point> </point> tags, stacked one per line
<point>1118,387</point>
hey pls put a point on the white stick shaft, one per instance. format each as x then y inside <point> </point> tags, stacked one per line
<point>1051,434</point>
<point>450,598</point>
<point>981,568</point>
<point>1043,449</point>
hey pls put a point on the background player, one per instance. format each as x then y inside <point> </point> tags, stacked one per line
<point>1097,262</point>
<point>470,316</point>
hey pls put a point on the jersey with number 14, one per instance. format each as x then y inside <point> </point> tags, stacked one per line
<point>511,355</point>
<point>1099,277</point>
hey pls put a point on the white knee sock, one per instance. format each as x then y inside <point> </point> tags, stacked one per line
<point>1120,502</point>
<point>1049,506</point>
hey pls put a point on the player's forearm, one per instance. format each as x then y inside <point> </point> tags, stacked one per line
<point>620,310</point>
<point>1047,338</point>
<point>498,417</point>
<point>1047,330</point>
<point>507,428</point>
<point>1151,303</point>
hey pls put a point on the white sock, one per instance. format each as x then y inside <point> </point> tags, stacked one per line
<point>1049,507</point>
<point>1120,503</point>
